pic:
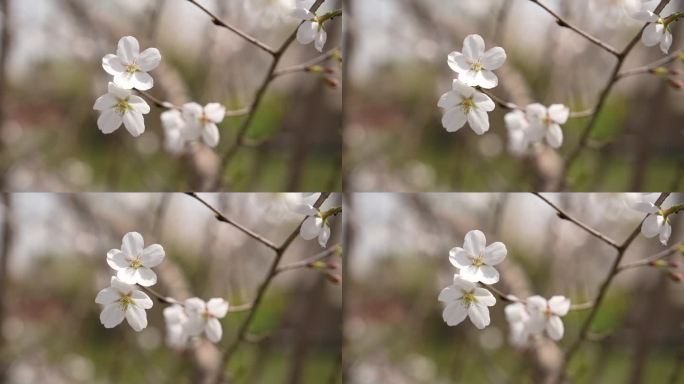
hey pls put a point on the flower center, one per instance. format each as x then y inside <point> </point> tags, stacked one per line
<point>478,261</point>
<point>122,106</point>
<point>126,300</point>
<point>206,315</point>
<point>204,119</point>
<point>547,312</point>
<point>468,299</point>
<point>467,104</point>
<point>476,66</point>
<point>547,120</point>
<point>132,68</point>
<point>136,263</point>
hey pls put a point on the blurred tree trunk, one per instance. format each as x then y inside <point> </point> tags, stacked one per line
<point>7,237</point>
<point>5,46</point>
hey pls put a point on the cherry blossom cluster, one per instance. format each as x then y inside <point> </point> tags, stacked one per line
<point>468,297</point>
<point>469,102</point>
<point>312,29</point>
<point>133,264</point>
<point>657,222</point>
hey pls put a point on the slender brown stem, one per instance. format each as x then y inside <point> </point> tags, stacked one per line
<point>652,66</point>
<point>222,218</point>
<point>305,67</point>
<point>647,261</point>
<point>565,216</point>
<point>306,263</point>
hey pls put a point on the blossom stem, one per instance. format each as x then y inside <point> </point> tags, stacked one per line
<point>306,67</point>
<point>677,248</point>
<point>306,263</point>
<point>676,55</point>
<point>511,106</point>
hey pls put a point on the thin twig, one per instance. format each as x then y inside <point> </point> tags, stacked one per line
<point>652,66</point>
<point>305,67</point>
<point>647,261</point>
<point>222,218</point>
<point>564,23</point>
<point>565,216</point>
<point>217,21</point>
<point>306,263</point>
<point>168,105</point>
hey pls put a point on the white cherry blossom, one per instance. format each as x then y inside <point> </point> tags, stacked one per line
<point>518,128</point>
<point>120,106</point>
<point>314,226</point>
<point>465,299</point>
<point>174,131</point>
<point>123,300</point>
<point>476,260</point>
<point>657,223</point>
<point>465,104</point>
<point>202,121</point>
<point>176,320</point>
<point>657,32</point>
<point>545,123</point>
<point>129,66</point>
<point>311,30</point>
<point>133,262</point>
<point>518,319</point>
<point>474,66</point>
<point>203,317</point>
<point>546,315</point>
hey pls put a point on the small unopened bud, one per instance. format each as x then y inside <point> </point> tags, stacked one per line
<point>330,70</point>
<point>677,277</point>
<point>660,71</point>
<point>658,263</point>
<point>680,56</point>
<point>333,278</point>
<point>675,72</point>
<point>317,265</point>
<point>332,265</point>
<point>673,264</point>
<point>315,69</point>
<point>337,56</point>
<point>332,82</point>
<point>676,83</point>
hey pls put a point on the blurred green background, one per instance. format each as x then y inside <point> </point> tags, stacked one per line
<point>58,244</point>
<point>399,246</point>
<point>50,136</point>
<point>394,137</point>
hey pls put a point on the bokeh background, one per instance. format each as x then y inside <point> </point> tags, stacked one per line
<point>55,249</point>
<point>53,66</point>
<point>394,140</point>
<point>398,256</point>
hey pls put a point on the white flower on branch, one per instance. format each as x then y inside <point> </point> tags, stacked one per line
<point>465,104</point>
<point>120,106</point>
<point>546,122</point>
<point>518,319</point>
<point>203,317</point>
<point>133,262</point>
<point>464,298</point>
<point>312,29</point>
<point>123,300</point>
<point>176,320</point>
<point>518,128</point>
<point>202,121</point>
<point>657,223</point>
<point>174,131</point>
<point>546,315</point>
<point>129,66</point>
<point>476,260</point>
<point>657,32</point>
<point>269,13</point>
<point>474,66</point>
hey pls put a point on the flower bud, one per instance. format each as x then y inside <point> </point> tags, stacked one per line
<point>658,263</point>
<point>660,71</point>
<point>673,264</point>
<point>331,265</point>
<point>676,83</point>
<point>333,278</point>
<point>677,277</point>
<point>315,69</point>
<point>332,82</point>
<point>317,265</point>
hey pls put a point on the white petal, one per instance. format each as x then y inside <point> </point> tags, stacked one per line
<point>463,284</point>
<point>645,16</point>
<point>213,330</point>
<point>458,62</point>
<point>559,305</point>
<point>149,59</point>
<point>554,327</point>
<point>136,317</point>
<point>449,100</point>
<point>142,81</point>
<point>484,297</point>
<point>153,255</point>
<point>644,206</point>
<point>107,296</point>
<point>459,258</point>
<point>462,88</point>
<point>473,47</point>
<point>479,315</point>
<point>112,315</point>
<point>479,121</point>
<point>475,242</point>
<point>109,121</point>
<point>139,104</point>
<point>450,293</point>
<point>494,58</point>
<point>134,123</point>
<point>145,277</point>
<point>536,303</point>
<point>454,119</point>
<point>516,312</point>
<point>301,14</point>
<point>321,38</point>
<point>483,102</point>
<point>324,235</point>
<point>132,244</point>
<point>489,274</point>
<point>141,299</point>
<point>105,102</point>
<point>559,113</point>
<point>192,111</point>
<point>486,79</point>
<point>211,135</point>
<point>310,227</point>
<point>454,313</point>
<point>495,253</point>
<point>194,326</point>
<point>665,232</point>
<point>194,305</point>
<point>535,111</point>
<point>554,136</point>
<point>128,49</point>
<point>217,307</point>
<point>128,275</point>
<point>124,80</point>
<point>215,112</point>
<point>666,42</point>
<point>121,286</point>
<point>306,33</point>
<point>471,273</point>
<point>650,227</point>
<point>117,260</point>
<point>112,64</point>
<point>652,34</point>
<point>469,77</point>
